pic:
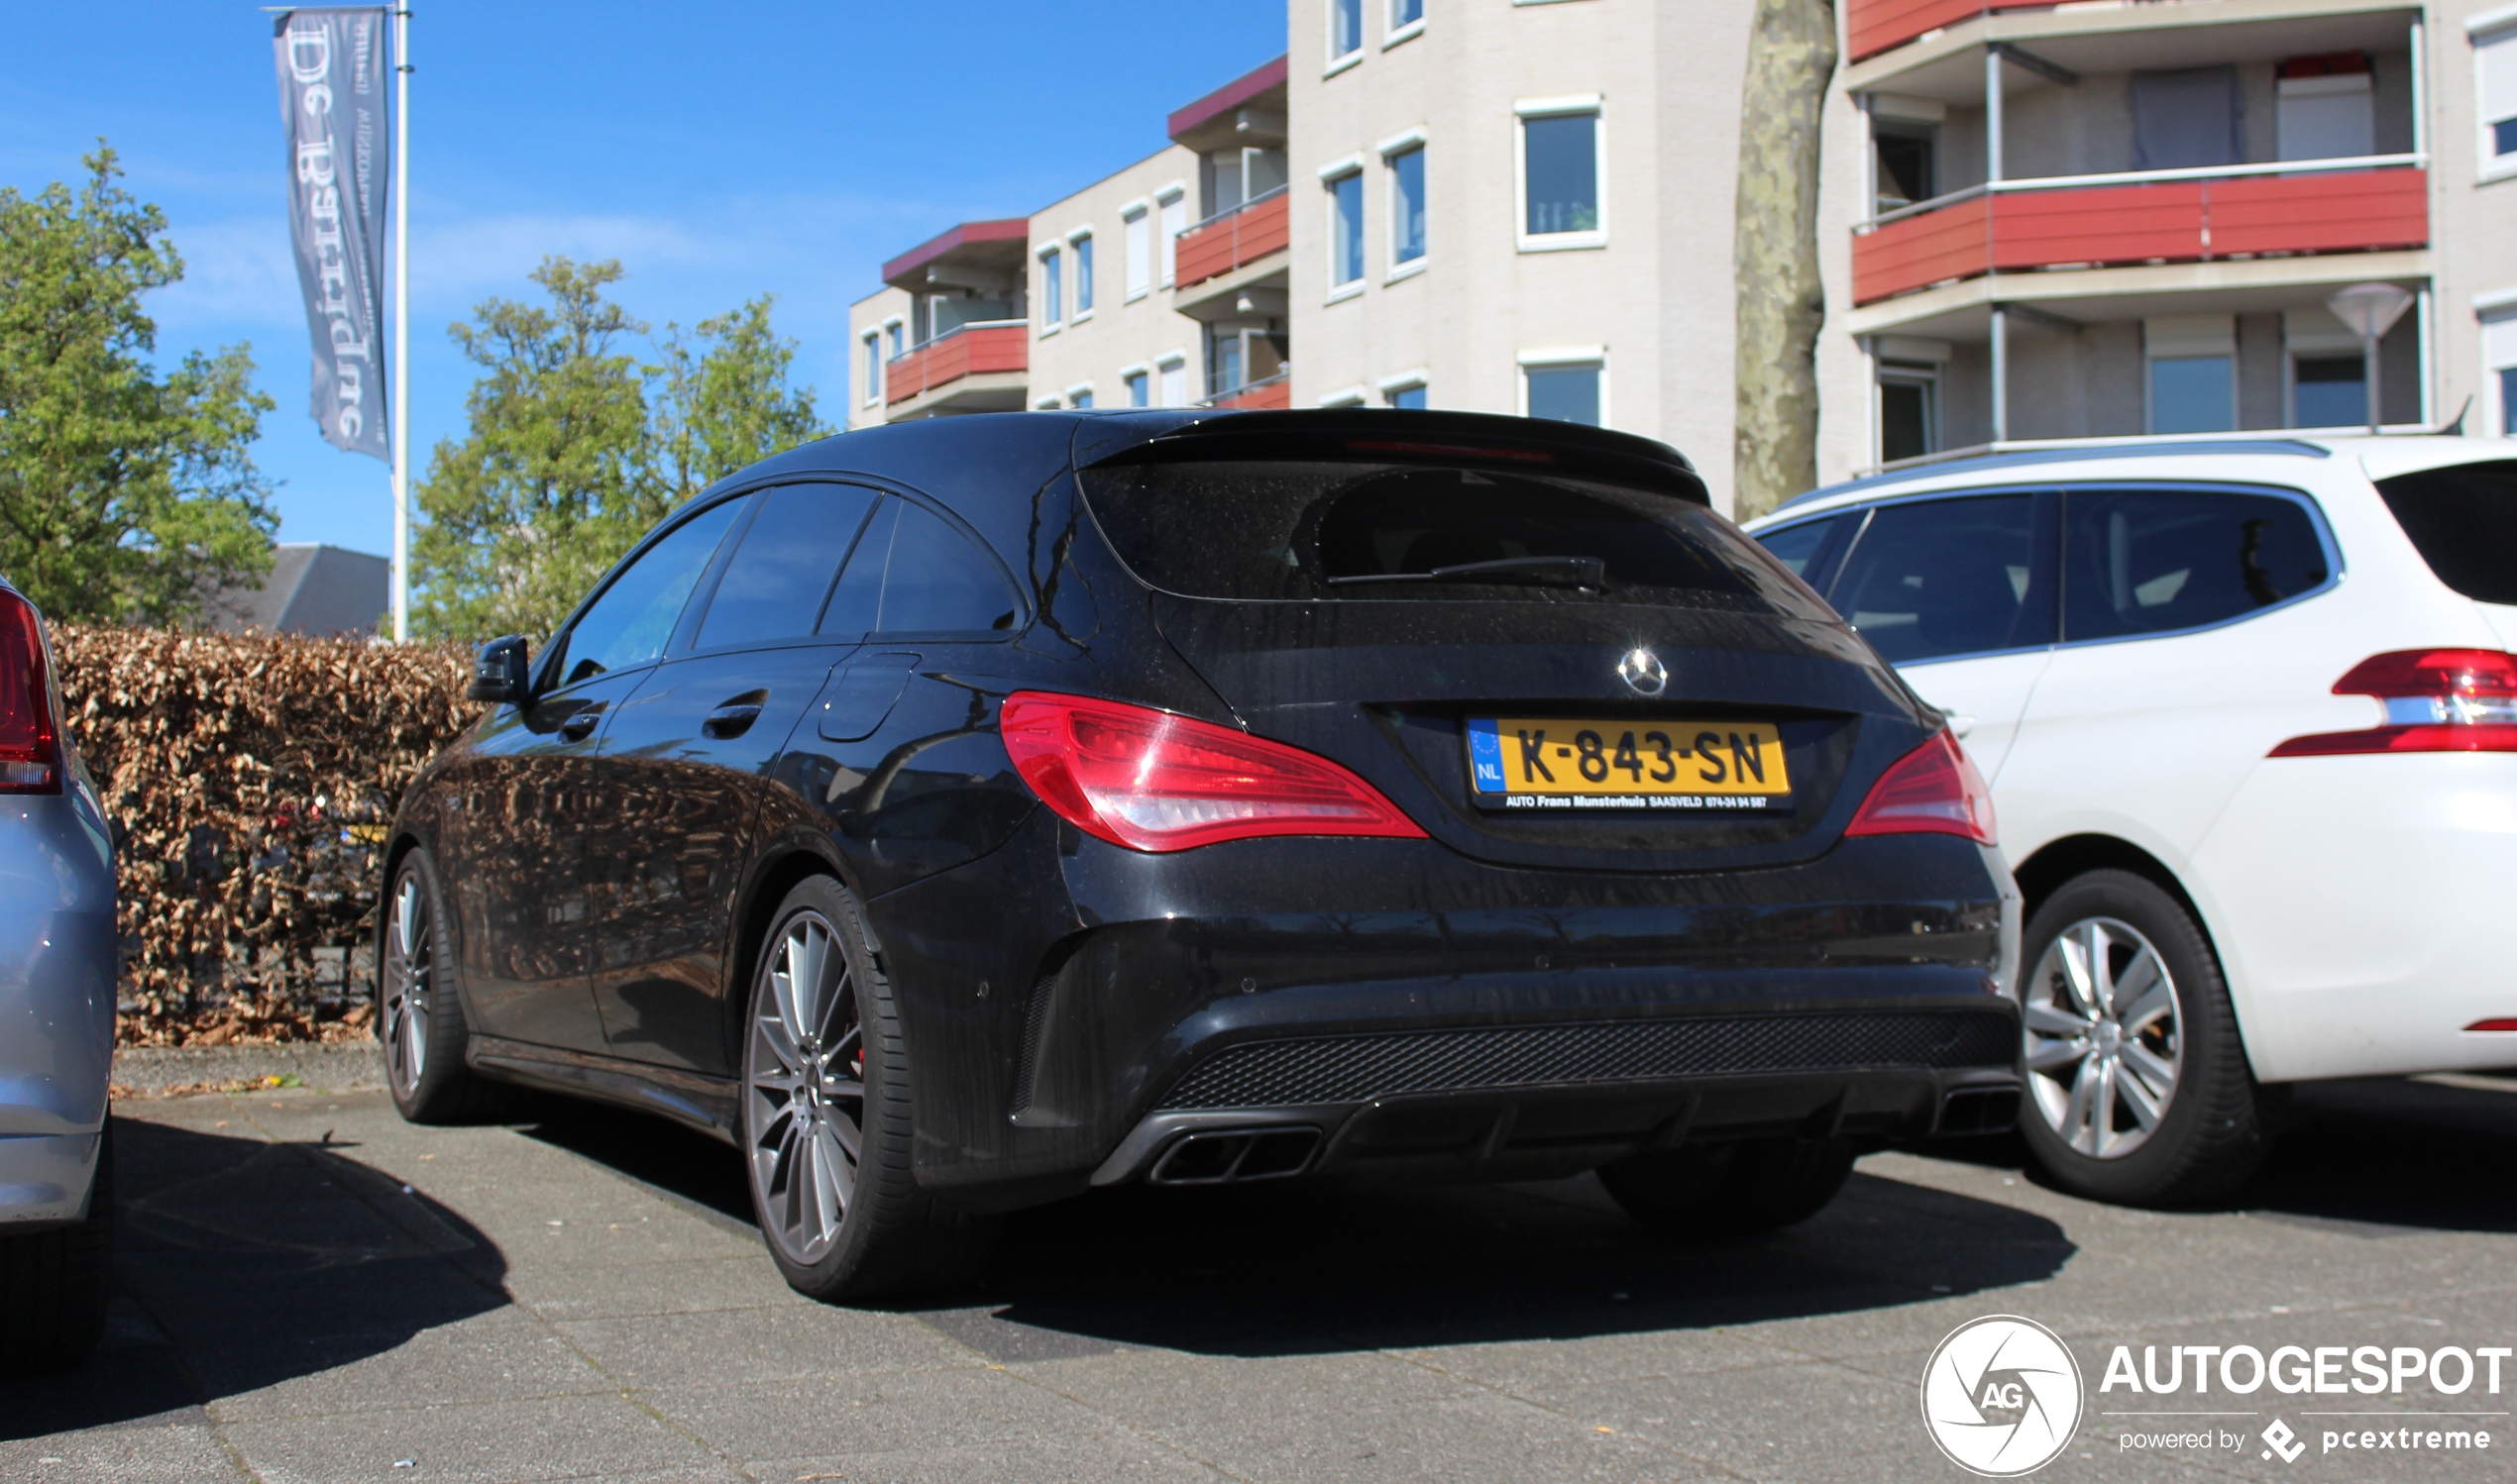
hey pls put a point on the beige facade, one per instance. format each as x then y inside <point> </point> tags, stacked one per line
<point>1109,326</point>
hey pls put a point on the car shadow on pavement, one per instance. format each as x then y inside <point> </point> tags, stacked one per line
<point>240,1264</point>
<point>2376,1156</point>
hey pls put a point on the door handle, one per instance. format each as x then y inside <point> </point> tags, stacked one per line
<point>578,727</point>
<point>730,721</point>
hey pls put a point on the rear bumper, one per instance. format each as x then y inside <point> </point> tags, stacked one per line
<point>1408,1002</point>
<point>44,1180</point>
<point>58,966</point>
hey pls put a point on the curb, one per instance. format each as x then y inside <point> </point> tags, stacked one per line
<point>173,1071</point>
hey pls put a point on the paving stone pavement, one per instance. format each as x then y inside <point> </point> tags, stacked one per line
<point>309,1289</point>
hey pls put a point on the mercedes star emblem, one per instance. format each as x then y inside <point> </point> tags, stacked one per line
<point>1643,672</point>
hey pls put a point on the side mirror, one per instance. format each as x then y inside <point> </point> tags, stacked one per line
<point>498,672</point>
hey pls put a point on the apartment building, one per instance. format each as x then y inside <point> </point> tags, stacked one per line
<point>2038,221</point>
<point>2086,220</point>
<point>1163,286</point>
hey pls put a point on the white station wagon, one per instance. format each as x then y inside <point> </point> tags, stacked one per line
<point>2250,714</point>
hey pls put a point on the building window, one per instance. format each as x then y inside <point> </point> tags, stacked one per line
<point>1407,206</point>
<point>1405,12</point>
<point>2324,108</point>
<point>1908,163</point>
<point>1908,412</point>
<point>1407,398</point>
<point>1175,222</point>
<point>1560,178</point>
<point>1346,231</point>
<point>1079,396</point>
<point>1174,382</point>
<point>2495,74</point>
<point>2499,356</point>
<point>2328,392</point>
<point>1139,390</point>
<point>1346,27</point>
<point>1140,235</point>
<point>1052,288</point>
<point>1083,275</point>
<point>2192,372</point>
<point>899,336</point>
<point>873,369</point>
<point>1564,391</point>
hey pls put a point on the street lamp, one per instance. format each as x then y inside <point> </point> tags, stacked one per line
<point>2370,309</point>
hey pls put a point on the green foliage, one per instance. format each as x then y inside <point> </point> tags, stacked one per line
<point>576,448</point>
<point>125,494</point>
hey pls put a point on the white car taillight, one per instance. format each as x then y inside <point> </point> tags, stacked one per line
<point>2436,701</point>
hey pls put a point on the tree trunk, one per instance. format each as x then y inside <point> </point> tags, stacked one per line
<point>1781,303</point>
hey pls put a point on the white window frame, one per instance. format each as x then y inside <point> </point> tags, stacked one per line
<point>1909,374</point>
<point>2496,314</point>
<point>1399,32</point>
<point>1134,371</point>
<point>1557,357</point>
<point>1077,253</point>
<point>1411,379</point>
<point>2492,27</point>
<point>895,338</point>
<point>1047,403</point>
<point>1135,234</point>
<point>1347,396</point>
<point>1339,61</point>
<point>1166,237</point>
<point>1330,175</point>
<point>1052,290</point>
<point>1526,109</point>
<point>1389,149</point>
<point>873,368</point>
<point>1165,364</point>
<point>1079,389</point>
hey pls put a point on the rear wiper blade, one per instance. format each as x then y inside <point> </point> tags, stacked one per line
<point>1539,572</point>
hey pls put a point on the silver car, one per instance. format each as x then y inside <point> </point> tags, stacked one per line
<point>56,1017</point>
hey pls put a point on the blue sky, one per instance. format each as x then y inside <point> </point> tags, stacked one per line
<point>717,150</point>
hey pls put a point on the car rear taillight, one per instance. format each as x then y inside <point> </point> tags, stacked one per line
<point>1151,780</point>
<point>30,744</point>
<point>2436,701</point>
<point>1931,790</point>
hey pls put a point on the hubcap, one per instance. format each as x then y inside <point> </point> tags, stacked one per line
<point>805,1102</point>
<point>410,957</point>
<point>2105,1037</point>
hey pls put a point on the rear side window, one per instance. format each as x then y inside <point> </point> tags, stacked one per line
<point>773,587</point>
<point>631,621</point>
<point>2463,522</point>
<point>912,572</point>
<point>1956,576</point>
<point>2149,561</point>
<point>1303,531</point>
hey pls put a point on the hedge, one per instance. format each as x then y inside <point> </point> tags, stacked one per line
<point>251,779</point>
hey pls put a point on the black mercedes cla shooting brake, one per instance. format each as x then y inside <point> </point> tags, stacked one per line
<point>961,814</point>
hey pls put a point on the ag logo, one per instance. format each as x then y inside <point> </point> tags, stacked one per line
<point>2001,1396</point>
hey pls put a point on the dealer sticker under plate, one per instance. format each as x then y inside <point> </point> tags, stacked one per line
<point>1569,763</point>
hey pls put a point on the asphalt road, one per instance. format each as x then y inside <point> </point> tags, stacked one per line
<point>312,1290</point>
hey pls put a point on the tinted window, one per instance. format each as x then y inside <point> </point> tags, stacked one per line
<point>938,580</point>
<point>2147,560</point>
<point>774,586</point>
<point>856,603</point>
<point>2463,521</point>
<point>1952,576</point>
<point>633,619</point>
<point>1307,531</point>
<point>1796,546</point>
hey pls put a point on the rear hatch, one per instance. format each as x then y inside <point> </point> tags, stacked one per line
<point>1547,655</point>
<point>2462,519</point>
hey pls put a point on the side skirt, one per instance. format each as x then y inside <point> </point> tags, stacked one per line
<point>710,1104</point>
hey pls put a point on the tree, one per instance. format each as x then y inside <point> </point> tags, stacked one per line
<point>125,494</point>
<point>576,448</point>
<point>1781,303</point>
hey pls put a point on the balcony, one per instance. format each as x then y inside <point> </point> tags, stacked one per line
<point>1874,25</point>
<point>1274,394</point>
<point>988,349</point>
<point>1233,238</point>
<point>2288,209</point>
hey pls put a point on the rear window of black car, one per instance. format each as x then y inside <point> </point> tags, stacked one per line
<point>2463,520</point>
<point>1305,531</point>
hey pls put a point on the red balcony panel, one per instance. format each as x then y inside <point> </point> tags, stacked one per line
<point>972,352</point>
<point>1935,246</point>
<point>1213,247</point>
<point>1273,395</point>
<point>2321,213</point>
<point>2172,221</point>
<point>1874,25</point>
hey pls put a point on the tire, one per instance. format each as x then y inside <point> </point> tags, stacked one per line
<point>825,1066</point>
<point>419,1015</point>
<point>1742,1189</point>
<point>53,1284</point>
<point>2139,1091</point>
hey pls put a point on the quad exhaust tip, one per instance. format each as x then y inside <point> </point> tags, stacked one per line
<point>1980,1111</point>
<point>1229,1156</point>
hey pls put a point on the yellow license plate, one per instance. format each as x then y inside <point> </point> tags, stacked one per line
<point>1569,763</point>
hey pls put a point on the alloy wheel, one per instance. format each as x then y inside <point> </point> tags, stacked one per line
<point>806,1094</point>
<point>2104,1037</point>
<point>409,964</point>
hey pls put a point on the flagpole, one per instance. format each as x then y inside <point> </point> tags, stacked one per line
<point>401,323</point>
